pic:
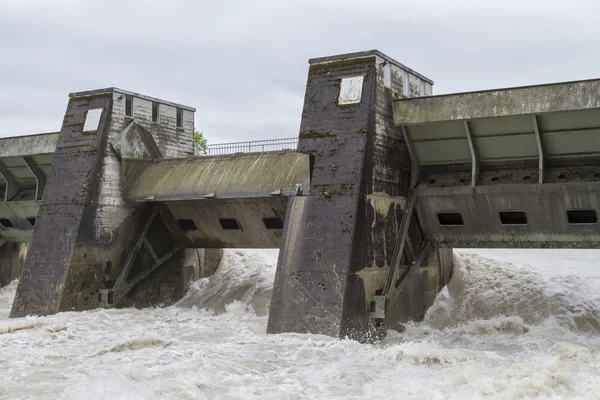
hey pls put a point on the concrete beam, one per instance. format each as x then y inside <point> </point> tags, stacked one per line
<point>542,219</point>
<point>28,145</point>
<point>221,177</point>
<point>568,96</point>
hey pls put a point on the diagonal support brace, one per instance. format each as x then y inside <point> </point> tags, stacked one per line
<point>40,178</point>
<point>12,187</point>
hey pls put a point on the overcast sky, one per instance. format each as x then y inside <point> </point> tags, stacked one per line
<point>243,64</point>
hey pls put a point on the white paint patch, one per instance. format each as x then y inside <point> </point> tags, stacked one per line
<point>351,90</point>
<point>92,120</point>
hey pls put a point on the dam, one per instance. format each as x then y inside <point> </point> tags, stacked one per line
<point>385,179</point>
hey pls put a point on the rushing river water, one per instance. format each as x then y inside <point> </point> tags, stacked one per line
<point>511,324</point>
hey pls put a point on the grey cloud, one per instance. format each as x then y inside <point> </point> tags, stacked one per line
<point>243,64</point>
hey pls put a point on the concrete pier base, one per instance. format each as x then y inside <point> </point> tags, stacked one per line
<point>338,242</point>
<point>86,232</point>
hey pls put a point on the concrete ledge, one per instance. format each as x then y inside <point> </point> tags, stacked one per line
<point>368,53</point>
<point>126,92</point>
<point>539,99</point>
<point>29,145</point>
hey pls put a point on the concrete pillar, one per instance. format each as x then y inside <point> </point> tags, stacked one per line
<point>338,242</point>
<point>85,230</point>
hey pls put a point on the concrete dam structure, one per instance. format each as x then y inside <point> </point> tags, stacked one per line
<point>384,180</point>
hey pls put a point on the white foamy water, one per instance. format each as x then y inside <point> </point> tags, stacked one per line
<point>511,325</point>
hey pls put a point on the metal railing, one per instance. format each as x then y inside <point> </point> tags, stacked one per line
<point>251,147</point>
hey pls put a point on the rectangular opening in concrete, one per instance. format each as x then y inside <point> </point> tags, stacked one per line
<point>582,216</point>
<point>154,112</point>
<point>187,224</point>
<point>450,219</point>
<point>32,220</point>
<point>179,118</point>
<point>5,222</point>
<point>273,223</point>
<point>110,298</point>
<point>129,106</point>
<point>513,218</point>
<point>229,223</point>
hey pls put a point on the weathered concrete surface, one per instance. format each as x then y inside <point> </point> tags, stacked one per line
<point>243,175</point>
<point>12,258</point>
<point>338,242</point>
<point>529,153</point>
<point>545,206</point>
<point>85,229</point>
<point>250,229</point>
<point>48,283</point>
<point>569,96</point>
<point>28,145</point>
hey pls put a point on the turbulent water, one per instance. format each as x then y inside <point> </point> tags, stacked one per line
<point>511,324</point>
